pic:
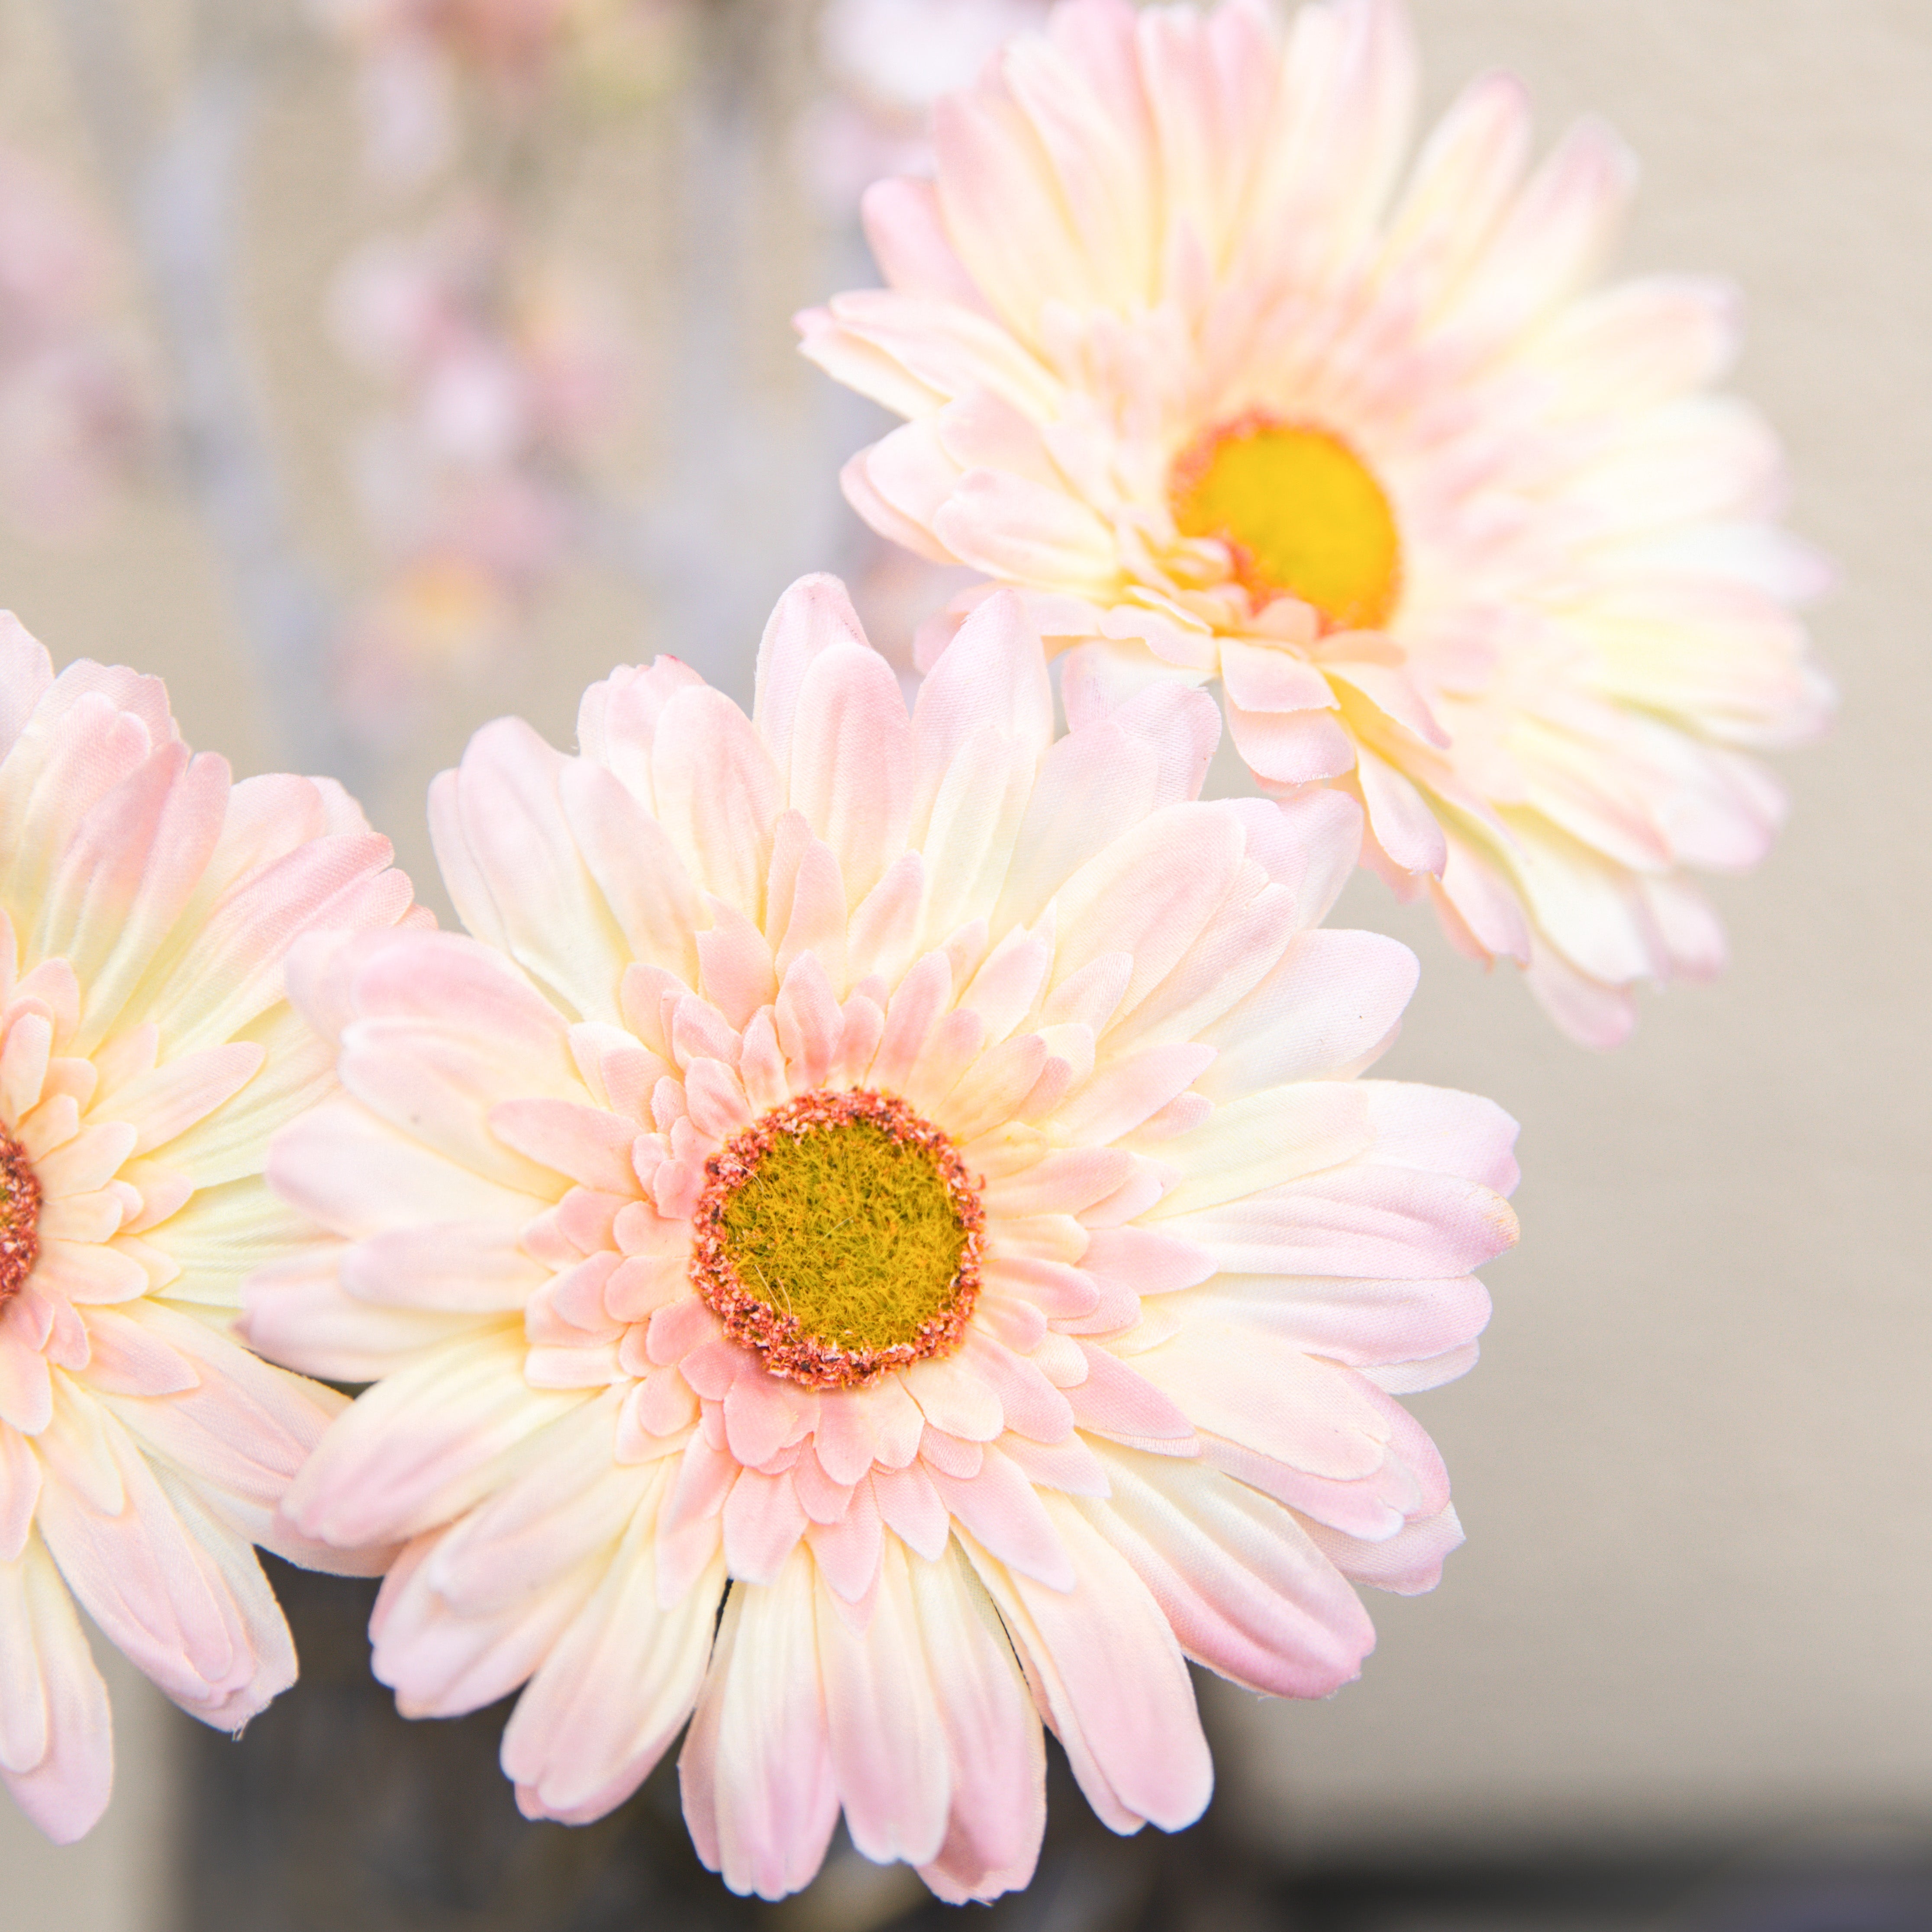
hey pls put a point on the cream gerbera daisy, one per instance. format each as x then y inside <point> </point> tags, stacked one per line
<point>902,1179</point>
<point>1188,360</point>
<point>147,1052</point>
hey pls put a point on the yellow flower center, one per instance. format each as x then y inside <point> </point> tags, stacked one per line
<point>839,1237</point>
<point>20,1217</point>
<point>1304,515</point>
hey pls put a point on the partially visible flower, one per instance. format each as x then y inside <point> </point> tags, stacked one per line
<point>886,62</point>
<point>505,377</point>
<point>72,415</point>
<point>904,1181</point>
<point>1189,360</point>
<point>416,54</point>
<point>146,1055</point>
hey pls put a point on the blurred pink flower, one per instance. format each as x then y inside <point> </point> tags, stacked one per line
<point>504,379</point>
<point>1127,1399</point>
<point>887,61</point>
<point>146,1055</point>
<point>72,416</point>
<point>416,53</point>
<point>1187,358</point>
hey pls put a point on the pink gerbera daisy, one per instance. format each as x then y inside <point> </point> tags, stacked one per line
<point>147,1053</point>
<point>1457,529</point>
<point>901,1179</point>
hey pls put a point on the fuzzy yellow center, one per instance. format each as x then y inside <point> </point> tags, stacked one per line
<point>1304,515</point>
<point>20,1217</point>
<point>839,1238</point>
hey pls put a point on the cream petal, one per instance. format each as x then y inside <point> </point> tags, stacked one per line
<point>851,766</point>
<point>1332,999</point>
<point>125,873</point>
<point>1463,180</point>
<point>1291,747</point>
<point>153,1576</point>
<point>1360,1323</point>
<point>849,1553</point>
<point>1027,533</point>
<point>912,1507</point>
<point>858,364</point>
<point>566,1502</point>
<point>883,1729</point>
<point>467,1267</point>
<point>231,969</point>
<point>992,1735</point>
<point>56,1740</point>
<point>907,234</point>
<point>717,793</point>
<point>443,1665</point>
<point>763,1522</point>
<point>1356,1220</point>
<point>813,616</point>
<point>20,1490</point>
<point>617,720</point>
<point>1150,892</point>
<point>1003,1512</point>
<point>636,868</point>
<point>1553,239</point>
<point>1407,1564</point>
<point>415,1451</point>
<point>90,1160</point>
<point>296,1313</point>
<point>605,1703</point>
<point>736,964</point>
<point>1265,1140</point>
<point>23,1063</point>
<point>591,1146</point>
<point>1247,1592</point>
<point>1121,1402</point>
<point>816,924</point>
<point>1441,1131</point>
<point>1108,1676</point>
<point>761,1797</point>
<point>510,815</point>
<point>86,1274</point>
<point>359,1177</point>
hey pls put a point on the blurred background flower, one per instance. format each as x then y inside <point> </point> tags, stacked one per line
<point>417,59</point>
<point>885,62</point>
<point>505,378</point>
<point>74,418</point>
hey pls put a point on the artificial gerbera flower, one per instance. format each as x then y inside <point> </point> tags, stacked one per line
<point>1459,531</point>
<point>901,1179</point>
<point>147,1053</point>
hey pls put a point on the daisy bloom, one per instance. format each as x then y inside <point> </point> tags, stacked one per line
<point>147,1053</point>
<point>1187,357</point>
<point>901,1179</point>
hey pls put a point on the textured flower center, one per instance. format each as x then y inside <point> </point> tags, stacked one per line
<point>19,1216</point>
<point>1302,513</point>
<point>839,1237</point>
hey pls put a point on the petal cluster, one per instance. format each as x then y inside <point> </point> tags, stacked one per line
<point>1149,228</point>
<point>1213,1256</point>
<point>147,1054</point>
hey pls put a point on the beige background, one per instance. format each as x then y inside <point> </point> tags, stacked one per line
<point>1696,1462</point>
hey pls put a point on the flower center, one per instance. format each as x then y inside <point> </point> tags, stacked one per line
<point>1302,513</point>
<point>20,1217</point>
<point>839,1237</point>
